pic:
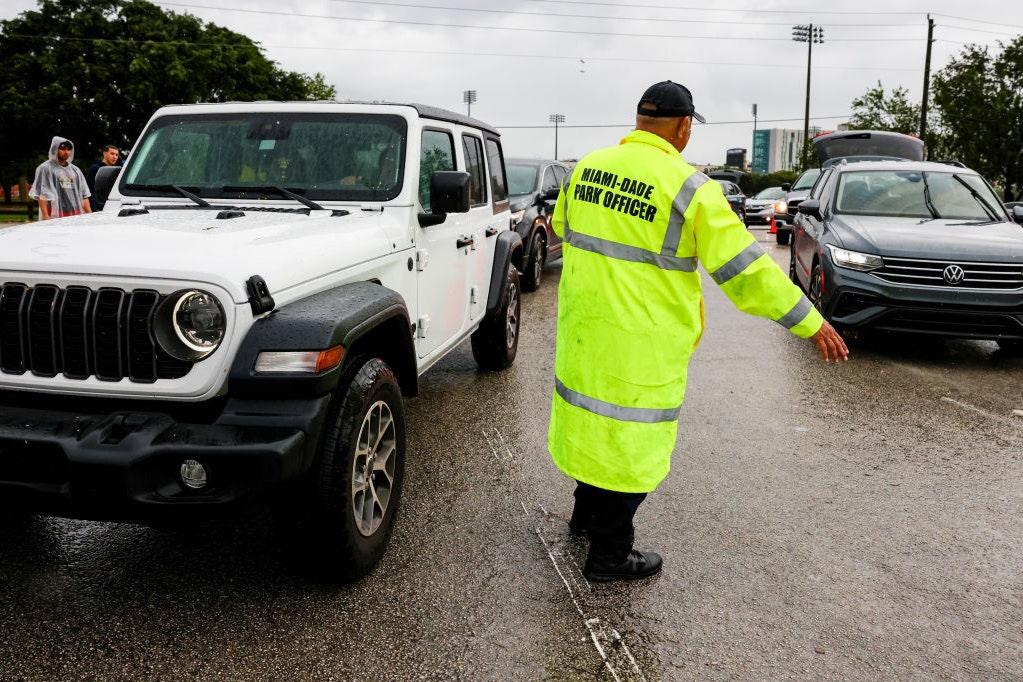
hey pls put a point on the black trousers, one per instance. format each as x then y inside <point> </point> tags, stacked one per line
<point>607,515</point>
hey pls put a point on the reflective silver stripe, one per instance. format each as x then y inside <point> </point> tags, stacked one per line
<point>612,411</point>
<point>797,314</point>
<point>738,264</point>
<point>564,193</point>
<point>634,254</point>
<point>679,206</point>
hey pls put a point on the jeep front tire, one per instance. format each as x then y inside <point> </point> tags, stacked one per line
<point>359,471</point>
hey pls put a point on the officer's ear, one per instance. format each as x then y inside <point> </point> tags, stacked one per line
<point>685,129</point>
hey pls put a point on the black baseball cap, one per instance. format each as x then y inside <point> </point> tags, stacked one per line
<point>669,100</point>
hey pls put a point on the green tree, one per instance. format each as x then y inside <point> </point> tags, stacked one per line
<point>877,110</point>
<point>94,71</point>
<point>980,97</point>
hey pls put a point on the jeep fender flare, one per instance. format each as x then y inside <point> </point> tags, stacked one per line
<point>508,250</point>
<point>360,316</point>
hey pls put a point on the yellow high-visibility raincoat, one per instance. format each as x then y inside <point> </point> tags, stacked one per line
<point>635,220</point>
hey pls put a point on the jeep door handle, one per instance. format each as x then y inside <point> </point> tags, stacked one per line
<point>465,240</point>
<point>491,231</point>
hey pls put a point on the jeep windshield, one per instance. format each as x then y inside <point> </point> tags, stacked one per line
<point>291,156</point>
<point>914,194</point>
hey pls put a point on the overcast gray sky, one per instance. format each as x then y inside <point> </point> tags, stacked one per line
<point>590,61</point>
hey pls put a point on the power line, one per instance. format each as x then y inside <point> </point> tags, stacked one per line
<point>710,9</point>
<point>574,15</point>
<point>531,29</point>
<point>450,53</point>
<point>713,123</point>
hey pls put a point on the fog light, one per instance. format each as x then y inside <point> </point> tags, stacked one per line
<point>193,474</point>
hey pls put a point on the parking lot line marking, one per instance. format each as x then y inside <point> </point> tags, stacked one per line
<point>608,642</point>
<point>989,415</point>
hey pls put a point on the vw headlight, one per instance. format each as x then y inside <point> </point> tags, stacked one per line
<point>854,260</point>
<point>190,325</point>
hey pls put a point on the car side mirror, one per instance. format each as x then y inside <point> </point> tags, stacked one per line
<point>811,207</point>
<point>449,193</point>
<point>551,194</point>
<point>1017,214</point>
<point>106,178</point>
<point>785,186</point>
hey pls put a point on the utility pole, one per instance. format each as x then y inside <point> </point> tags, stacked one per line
<point>809,34</point>
<point>927,78</point>
<point>556,119</point>
<point>469,96</point>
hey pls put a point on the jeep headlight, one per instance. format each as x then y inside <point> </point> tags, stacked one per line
<point>189,325</point>
<point>855,260</point>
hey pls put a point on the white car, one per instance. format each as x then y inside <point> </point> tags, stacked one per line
<point>264,285</point>
<point>761,207</point>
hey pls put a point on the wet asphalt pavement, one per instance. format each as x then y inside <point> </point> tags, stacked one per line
<point>861,521</point>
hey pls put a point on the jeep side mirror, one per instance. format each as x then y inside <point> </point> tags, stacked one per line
<point>810,207</point>
<point>106,177</point>
<point>449,193</point>
<point>1017,214</point>
<point>785,186</point>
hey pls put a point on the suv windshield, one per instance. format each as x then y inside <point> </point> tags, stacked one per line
<point>806,180</point>
<point>340,157</point>
<point>916,194</point>
<point>521,178</point>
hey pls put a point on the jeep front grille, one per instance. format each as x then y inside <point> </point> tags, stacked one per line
<point>1001,276</point>
<point>81,333</point>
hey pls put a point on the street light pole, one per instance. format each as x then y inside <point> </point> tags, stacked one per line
<point>556,119</point>
<point>469,96</point>
<point>809,34</point>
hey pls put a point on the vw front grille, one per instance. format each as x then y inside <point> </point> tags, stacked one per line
<point>1001,276</point>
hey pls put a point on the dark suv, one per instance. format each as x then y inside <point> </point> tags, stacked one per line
<point>533,189</point>
<point>785,210</point>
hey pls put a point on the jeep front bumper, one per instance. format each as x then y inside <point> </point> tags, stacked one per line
<point>126,465</point>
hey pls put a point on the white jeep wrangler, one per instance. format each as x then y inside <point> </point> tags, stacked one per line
<point>265,283</point>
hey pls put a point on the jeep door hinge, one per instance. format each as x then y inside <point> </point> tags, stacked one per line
<point>423,326</point>
<point>422,259</point>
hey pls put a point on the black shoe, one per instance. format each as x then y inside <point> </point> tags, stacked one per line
<point>636,565</point>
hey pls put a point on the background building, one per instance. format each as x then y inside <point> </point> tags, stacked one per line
<point>777,149</point>
<point>736,158</point>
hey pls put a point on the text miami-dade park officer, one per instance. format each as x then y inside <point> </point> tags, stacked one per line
<point>636,219</point>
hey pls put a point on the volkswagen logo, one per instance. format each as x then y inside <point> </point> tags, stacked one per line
<point>953,274</point>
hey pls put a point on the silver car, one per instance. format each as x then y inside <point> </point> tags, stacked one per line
<point>761,206</point>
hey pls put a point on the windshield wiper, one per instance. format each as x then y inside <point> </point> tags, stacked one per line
<point>927,198</point>
<point>273,189</point>
<point>173,188</point>
<point>976,195</point>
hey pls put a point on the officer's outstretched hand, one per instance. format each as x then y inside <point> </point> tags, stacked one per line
<point>830,344</point>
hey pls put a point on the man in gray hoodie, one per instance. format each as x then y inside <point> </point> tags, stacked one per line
<point>59,185</point>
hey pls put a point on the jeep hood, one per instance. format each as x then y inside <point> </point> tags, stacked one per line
<point>956,240</point>
<point>195,245</point>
